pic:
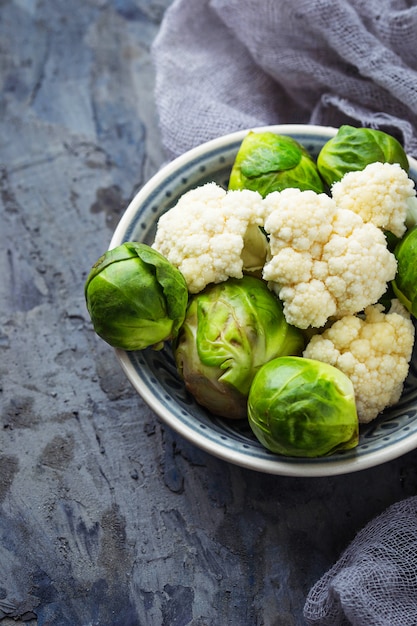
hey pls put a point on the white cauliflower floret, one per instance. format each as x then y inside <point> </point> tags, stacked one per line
<point>324,261</point>
<point>373,352</point>
<point>381,193</point>
<point>204,235</point>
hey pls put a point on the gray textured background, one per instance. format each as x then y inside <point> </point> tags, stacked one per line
<point>107,517</point>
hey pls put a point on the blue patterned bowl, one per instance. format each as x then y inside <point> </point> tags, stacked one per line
<point>154,376</point>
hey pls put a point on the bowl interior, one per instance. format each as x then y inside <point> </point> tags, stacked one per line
<point>153,373</point>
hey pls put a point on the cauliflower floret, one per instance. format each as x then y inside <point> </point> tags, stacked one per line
<point>324,261</point>
<point>373,352</point>
<point>381,193</point>
<point>205,234</point>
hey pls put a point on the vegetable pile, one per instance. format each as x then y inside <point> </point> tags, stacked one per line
<point>288,297</point>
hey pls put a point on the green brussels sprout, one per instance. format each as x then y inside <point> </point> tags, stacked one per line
<point>302,407</point>
<point>269,162</point>
<point>135,297</point>
<point>405,281</point>
<point>230,330</point>
<point>352,149</point>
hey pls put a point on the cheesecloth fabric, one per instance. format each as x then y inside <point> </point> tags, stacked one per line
<point>225,65</point>
<point>374,583</point>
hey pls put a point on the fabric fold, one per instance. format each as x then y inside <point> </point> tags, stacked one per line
<point>374,581</point>
<point>224,65</point>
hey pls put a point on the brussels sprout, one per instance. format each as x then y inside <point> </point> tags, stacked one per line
<point>352,149</point>
<point>302,407</point>
<point>269,162</point>
<point>230,330</point>
<point>405,281</point>
<point>135,297</point>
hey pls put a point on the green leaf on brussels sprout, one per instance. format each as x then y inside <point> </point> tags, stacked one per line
<point>135,297</point>
<point>230,330</point>
<point>352,149</point>
<point>269,162</point>
<point>405,281</point>
<point>302,407</point>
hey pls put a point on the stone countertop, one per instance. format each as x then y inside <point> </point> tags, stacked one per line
<point>108,518</point>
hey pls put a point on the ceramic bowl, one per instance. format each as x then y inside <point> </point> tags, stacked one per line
<point>153,373</point>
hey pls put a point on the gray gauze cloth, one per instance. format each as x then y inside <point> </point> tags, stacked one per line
<point>225,65</point>
<point>374,583</point>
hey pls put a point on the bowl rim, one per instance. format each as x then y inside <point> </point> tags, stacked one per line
<point>303,467</point>
<point>169,168</point>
